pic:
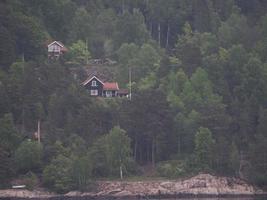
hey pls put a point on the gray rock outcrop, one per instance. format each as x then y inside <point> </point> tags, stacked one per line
<point>200,185</point>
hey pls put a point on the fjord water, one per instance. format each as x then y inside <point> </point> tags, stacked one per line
<point>242,198</point>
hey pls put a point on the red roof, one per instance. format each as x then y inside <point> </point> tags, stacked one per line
<point>111,86</point>
<point>123,91</point>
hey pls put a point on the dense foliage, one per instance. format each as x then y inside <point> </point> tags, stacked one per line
<point>199,90</point>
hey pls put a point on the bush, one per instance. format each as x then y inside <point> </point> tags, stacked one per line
<point>57,175</point>
<point>81,173</point>
<point>30,180</point>
<point>28,156</point>
<point>171,169</point>
<point>132,168</point>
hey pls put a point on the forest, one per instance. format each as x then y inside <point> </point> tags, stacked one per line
<point>199,91</point>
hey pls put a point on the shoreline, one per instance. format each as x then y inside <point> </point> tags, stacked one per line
<point>139,197</point>
<point>200,186</point>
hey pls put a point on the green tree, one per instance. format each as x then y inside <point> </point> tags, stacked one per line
<point>9,137</point>
<point>188,50</point>
<point>78,52</point>
<point>28,156</point>
<point>81,26</point>
<point>235,30</point>
<point>130,28</point>
<point>81,172</point>
<point>204,145</point>
<point>99,158</point>
<point>118,150</point>
<point>30,37</point>
<point>57,175</point>
<point>8,54</point>
<point>6,167</point>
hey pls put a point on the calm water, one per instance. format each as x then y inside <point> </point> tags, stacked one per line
<point>84,198</point>
<point>255,198</point>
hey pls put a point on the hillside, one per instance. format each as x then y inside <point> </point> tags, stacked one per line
<point>197,71</point>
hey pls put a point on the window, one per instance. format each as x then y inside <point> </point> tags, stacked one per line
<point>94,92</point>
<point>108,93</point>
<point>93,83</point>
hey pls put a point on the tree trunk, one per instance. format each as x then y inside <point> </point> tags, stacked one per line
<point>123,7</point>
<point>23,110</point>
<point>153,152</point>
<point>179,144</point>
<point>151,29</point>
<point>168,35</point>
<point>121,175</point>
<point>159,33</point>
<point>147,154</point>
<point>135,149</point>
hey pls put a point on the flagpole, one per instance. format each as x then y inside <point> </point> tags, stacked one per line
<point>130,81</point>
<point>38,132</point>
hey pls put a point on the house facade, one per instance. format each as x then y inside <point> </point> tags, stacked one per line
<point>97,87</point>
<point>56,49</point>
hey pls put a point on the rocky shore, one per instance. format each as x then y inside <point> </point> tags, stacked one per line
<point>202,185</point>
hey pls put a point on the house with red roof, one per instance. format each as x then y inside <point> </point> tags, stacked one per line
<point>56,49</point>
<point>97,87</point>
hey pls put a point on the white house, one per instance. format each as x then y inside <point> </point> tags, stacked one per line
<point>55,49</point>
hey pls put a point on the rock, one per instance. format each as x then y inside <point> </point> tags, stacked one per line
<point>123,194</point>
<point>24,193</point>
<point>202,184</point>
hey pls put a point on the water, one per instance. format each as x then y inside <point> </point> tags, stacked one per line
<point>101,198</point>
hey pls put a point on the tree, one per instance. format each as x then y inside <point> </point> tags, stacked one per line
<point>127,60</point>
<point>78,52</point>
<point>131,28</point>
<point>57,175</point>
<point>6,167</point>
<point>99,158</point>
<point>7,55</point>
<point>81,26</point>
<point>28,156</point>
<point>204,148</point>
<point>235,30</point>
<point>188,50</point>
<point>9,137</point>
<point>30,37</point>
<point>118,150</point>
<point>81,171</point>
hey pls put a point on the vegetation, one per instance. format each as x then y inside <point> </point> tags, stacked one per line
<point>199,90</point>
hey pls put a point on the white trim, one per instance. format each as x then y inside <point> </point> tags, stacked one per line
<point>108,93</point>
<point>87,81</point>
<point>55,42</point>
<point>93,83</point>
<point>117,86</point>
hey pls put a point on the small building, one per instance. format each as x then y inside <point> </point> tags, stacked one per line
<point>56,49</point>
<point>110,89</point>
<point>94,85</point>
<point>123,93</point>
<point>97,87</point>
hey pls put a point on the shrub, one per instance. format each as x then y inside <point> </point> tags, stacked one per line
<point>28,156</point>
<point>171,169</point>
<point>30,180</point>
<point>57,175</point>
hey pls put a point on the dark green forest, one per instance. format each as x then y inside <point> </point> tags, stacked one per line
<point>199,91</point>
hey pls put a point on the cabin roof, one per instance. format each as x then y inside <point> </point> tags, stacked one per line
<point>59,44</point>
<point>111,86</point>
<point>123,91</point>
<point>91,78</point>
